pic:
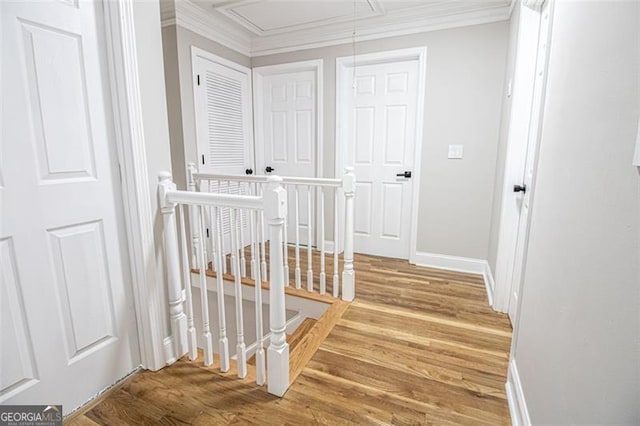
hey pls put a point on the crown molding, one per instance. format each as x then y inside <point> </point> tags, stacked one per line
<point>210,24</point>
<point>228,9</point>
<point>373,29</point>
<point>214,25</point>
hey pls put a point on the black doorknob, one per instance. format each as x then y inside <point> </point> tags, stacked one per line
<point>520,188</point>
<point>406,174</point>
<point>249,171</point>
<point>269,169</point>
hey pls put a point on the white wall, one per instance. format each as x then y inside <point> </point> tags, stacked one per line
<point>577,339</point>
<point>464,82</point>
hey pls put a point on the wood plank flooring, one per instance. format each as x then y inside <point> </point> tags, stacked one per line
<point>417,346</point>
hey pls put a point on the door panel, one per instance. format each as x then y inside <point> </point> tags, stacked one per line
<point>67,307</point>
<point>288,139</point>
<point>382,126</point>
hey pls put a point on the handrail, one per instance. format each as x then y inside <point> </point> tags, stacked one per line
<point>251,202</point>
<point>330,182</point>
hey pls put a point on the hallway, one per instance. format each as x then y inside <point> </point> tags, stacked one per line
<point>417,346</point>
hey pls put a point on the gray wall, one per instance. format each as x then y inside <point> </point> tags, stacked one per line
<point>464,82</point>
<point>577,343</point>
<point>179,85</point>
<point>502,140</point>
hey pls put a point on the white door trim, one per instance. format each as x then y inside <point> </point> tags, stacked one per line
<point>342,66</point>
<point>124,78</point>
<point>258,101</point>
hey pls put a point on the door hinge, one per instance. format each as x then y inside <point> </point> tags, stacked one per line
<point>198,78</point>
<point>202,158</point>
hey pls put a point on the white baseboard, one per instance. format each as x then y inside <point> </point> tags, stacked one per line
<point>452,263</point>
<point>489,282</point>
<point>515,397</point>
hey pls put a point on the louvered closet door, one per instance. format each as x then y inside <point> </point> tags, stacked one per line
<point>223,115</point>
<point>224,126</point>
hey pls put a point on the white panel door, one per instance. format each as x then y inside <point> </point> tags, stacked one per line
<point>68,323</point>
<point>288,139</point>
<point>515,198</point>
<point>381,128</point>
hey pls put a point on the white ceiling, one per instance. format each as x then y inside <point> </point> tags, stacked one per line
<point>283,25</point>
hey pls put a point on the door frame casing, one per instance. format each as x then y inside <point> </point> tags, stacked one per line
<point>124,78</point>
<point>343,64</point>
<point>505,275</point>
<point>259,73</point>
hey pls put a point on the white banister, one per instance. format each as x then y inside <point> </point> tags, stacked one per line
<point>260,355</point>
<point>191,187</point>
<point>241,349</point>
<point>298,280</point>
<point>223,341</point>
<point>323,275</point>
<point>348,273</point>
<point>186,277</point>
<point>336,226</point>
<point>204,300</point>
<point>177,317</point>
<point>309,250</point>
<point>275,208</point>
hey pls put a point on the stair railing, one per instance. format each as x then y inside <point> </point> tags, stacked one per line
<point>309,198</point>
<point>208,212</point>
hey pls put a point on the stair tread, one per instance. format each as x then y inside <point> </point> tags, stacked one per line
<point>294,338</point>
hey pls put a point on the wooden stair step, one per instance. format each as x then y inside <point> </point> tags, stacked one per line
<point>294,338</point>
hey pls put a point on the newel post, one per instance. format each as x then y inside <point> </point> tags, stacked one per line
<point>348,273</point>
<point>275,208</point>
<point>177,318</point>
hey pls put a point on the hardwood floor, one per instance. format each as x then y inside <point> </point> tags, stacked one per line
<point>417,346</point>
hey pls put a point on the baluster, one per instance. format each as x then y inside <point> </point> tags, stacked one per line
<point>348,274</point>
<point>243,260</point>
<point>336,226</point>
<point>177,318</point>
<point>297,251</point>
<point>186,277</point>
<point>223,341</point>
<point>226,268</point>
<point>253,230</point>
<point>263,249</point>
<point>309,233</point>
<point>191,186</point>
<point>260,361</point>
<point>241,350</point>
<point>285,248</point>
<point>210,240</point>
<point>204,299</point>
<point>275,207</point>
<point>323,275</point>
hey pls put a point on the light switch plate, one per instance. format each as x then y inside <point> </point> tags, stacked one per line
<point>456,151</point>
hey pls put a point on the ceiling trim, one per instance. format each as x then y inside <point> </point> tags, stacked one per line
<point>227,9</point>
<point>213,25</point>
<point>376,29</point>
<point>210,24</point>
